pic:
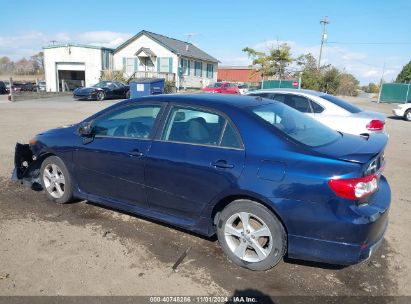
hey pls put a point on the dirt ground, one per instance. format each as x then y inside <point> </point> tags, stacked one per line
<point>83,249</point>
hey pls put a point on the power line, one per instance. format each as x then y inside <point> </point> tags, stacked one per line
<point>370,43</point>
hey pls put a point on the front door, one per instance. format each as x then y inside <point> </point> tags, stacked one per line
<point>112,164</point>
<point>198,156</point>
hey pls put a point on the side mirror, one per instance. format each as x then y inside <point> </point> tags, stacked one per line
<point>85,129</point>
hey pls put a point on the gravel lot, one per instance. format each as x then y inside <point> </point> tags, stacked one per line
<point>82,249</point>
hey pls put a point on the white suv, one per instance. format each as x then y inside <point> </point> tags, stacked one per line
<point>403,110</point>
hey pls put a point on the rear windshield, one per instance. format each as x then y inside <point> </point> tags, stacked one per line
<point>300,127</point>
<point>341,103</point>
<point>215,85</point>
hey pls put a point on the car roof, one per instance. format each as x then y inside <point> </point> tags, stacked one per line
<point>214,100</point>
<point>304,91</point>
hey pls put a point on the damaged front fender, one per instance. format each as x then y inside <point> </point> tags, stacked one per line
<point>26,167</point>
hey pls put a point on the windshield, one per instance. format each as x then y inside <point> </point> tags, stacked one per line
<point>296,125</point>
<point>215,85</point>
<point>341,103</point>
<point>102,84</point>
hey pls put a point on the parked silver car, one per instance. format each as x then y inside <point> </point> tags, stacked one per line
<point>332,111</point>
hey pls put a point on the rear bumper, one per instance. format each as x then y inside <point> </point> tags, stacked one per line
<point>345,240</point>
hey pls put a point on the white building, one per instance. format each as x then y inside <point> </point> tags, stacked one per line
<point>143,55</point>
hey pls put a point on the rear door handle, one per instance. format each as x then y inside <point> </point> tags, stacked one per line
<point>136,152</point>
<point>222,164</point>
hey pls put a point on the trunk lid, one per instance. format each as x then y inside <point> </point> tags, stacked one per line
<point>357,149</point>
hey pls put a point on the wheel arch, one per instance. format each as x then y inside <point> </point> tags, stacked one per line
<point>228,199</point>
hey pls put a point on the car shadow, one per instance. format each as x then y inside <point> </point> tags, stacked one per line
<point>212,238</point>
<point>395,117</point>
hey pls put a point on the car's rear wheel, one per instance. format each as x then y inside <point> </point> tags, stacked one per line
<point>251,235</point>
<point>56,180</point>
<point>407,115</point>
<point>100,96</point>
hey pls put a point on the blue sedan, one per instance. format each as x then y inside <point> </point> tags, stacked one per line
<point>267,179</point>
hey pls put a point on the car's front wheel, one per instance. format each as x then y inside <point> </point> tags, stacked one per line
<point>100,96</point>
<point>251,235</point>
<point>128,95</point>
<point>407,115</point>
<point>56,180</point>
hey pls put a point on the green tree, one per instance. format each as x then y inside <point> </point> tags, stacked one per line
<point>273,63</point>
<point>311,77</point>
<point>348,85</point>
<point>405,74</point>
<point>330,80</point>
<point>260,62</point>
<point>280,58</point>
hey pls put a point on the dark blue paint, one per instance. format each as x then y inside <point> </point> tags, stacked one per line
<point>177,183</point>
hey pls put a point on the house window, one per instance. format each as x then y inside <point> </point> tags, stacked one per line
<point>164,64</point>
<point>184,64</point>
<point>210,70</point>
<point>131,66</point>
<point>198,68</point>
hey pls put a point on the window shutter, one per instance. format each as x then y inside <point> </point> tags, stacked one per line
<point>135,64</point>
<point>158,64</point>
<point>188,67</point>
<point>201,69</point>
<point>170,64</point>
<point>124,64</point>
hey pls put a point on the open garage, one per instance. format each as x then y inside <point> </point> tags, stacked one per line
<point>70,76</point>
<point>70,66</point>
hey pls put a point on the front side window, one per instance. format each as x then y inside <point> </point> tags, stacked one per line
<point>194,126</point>
<point>130,121</point>
<point>300,127</point>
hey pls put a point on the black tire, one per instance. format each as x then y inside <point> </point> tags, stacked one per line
<point>407,115</point>
<point>100,96</point>
<point>278,240</point>
<point>55,162</point>
<point>128,95</point>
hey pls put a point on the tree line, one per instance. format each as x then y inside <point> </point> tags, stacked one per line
<point>31,66</point>
<point>278,63</point>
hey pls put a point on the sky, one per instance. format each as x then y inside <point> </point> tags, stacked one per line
<point>363,36</point>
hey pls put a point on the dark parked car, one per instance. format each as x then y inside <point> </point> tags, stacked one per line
<point>103,90</point>
<point>3,88</point>
<point>267,179</point>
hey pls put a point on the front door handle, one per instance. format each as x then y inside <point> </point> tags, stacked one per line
<point>136,152</point>
<point>222,164</point>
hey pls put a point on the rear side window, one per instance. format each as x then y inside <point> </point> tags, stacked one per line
<point>341,103</point>
<point>296,125</point>
<point>230,139</point>
<point>316,107</point>
<point>195,126</point>
<point>299,103</point>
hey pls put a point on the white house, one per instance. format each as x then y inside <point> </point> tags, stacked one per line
<point>143,55</point>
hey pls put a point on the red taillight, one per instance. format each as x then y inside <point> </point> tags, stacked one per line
<point>375,125</point>
<point>354,188</point>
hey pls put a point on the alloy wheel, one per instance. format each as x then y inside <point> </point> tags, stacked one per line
<point>54,180</point>
<point>248,237</point>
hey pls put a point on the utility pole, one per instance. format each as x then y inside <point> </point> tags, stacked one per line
<point>382,79</point>
<point>324,23</point>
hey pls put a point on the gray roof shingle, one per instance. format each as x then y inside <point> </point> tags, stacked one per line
<point>174,45</point>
